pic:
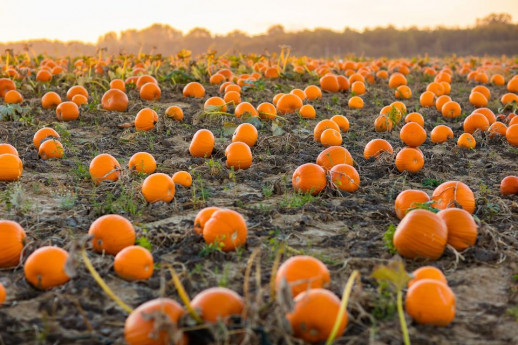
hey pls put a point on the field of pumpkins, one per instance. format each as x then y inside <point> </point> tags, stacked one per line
<point>248,199</point>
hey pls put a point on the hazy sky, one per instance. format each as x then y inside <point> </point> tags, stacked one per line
<point>87,20</point>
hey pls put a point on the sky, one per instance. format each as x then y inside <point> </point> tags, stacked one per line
<point>62,20</point>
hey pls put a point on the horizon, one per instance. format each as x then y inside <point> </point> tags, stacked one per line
<point>440,14</point>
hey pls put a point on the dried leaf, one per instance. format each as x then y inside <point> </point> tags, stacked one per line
<point>394,273</point>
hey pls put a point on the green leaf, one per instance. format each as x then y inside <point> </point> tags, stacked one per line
<point>144,242</point>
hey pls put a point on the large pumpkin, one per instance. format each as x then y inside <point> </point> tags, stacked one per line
<point>421,235</point>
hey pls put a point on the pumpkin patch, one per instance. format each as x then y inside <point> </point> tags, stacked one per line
<point>239,197</point>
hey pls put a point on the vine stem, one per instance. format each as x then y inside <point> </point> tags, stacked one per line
<point>343,306</point>
<point>402,320</point>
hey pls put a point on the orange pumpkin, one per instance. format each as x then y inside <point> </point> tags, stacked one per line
<point>302,272</point>
<point>218,303</point>
<point>43,134</point>
<point>158,187</point>
<point>202,217</point>
<point>509,185</point>
<point>421,234</point>
<point>376,147</point>
<point>104,167</point>
<point>12,240</point>
<point>315,314</point>
<point>247,133</point>
<point>427,272</point>
<point>133,263</point>
<point>202,143</point>
<point>8,148</point>
<point>45,268</point>
<point>11,167</point>
<point>409,159</point>
<point>345,177</point>
<point>322,126</point>
<point>111,233</point>
<point>239,156</point>
<point>408,199</point>
<point>462,229</point>
<point>147,325</point>
<point>309,178</point>
<point>429,301</point>
<point>225,229</point>
<point>454,194</point>
<point>334,155</point>
<point>412,134</point>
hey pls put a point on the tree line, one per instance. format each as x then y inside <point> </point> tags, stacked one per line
<point>493,35</point>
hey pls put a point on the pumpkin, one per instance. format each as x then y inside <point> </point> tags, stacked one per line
<point>421,234</point>
<point>45,268</point>
<point>239,155</point>
<point>202,143</point>
<point>315,314</point>
<point>218,303</point>
<point>408,199</point>
<point>453,194</point>
<point>409,159</point>
<point>334,155</point>
<point>12,240</point>
<point>429,301</point>
<point>158,187</point>
<point>11,167</point>
<point>509,185</point>
<point>140,327</point>
<point>302,272</point>
<point>225,229</point>
<point>462,229</point>
<point>309,178</point>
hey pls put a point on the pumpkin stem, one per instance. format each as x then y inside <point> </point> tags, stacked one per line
<point>343,306</point>
<point>402,320</point>
<point>183,295</point>
<point>101,282</point>
<point>275,268</point>
<point>247,272</point>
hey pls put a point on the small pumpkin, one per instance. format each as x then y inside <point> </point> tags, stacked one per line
<point>334,155</point>
<point>202,143</point>
<point>302,272</point>
<point>218,303</point>
<point>345,178</point>
<point>376,147</point>
<point>462,229</point>
<point>309,178</point>
<point>509,185</point>
<point>202,217</point>
<point>430,301</point>
<point>427,272</point>
<point>147,324</point>
<point>111,233</point>
<point>12,241</point>
<point>409,159</point>
<point>158,187</point>
<point>239,156</point>
<point>408,199</point>
<point>315,314</point>
<point>226,229</point>
<point>11,167</point>
<point>454,194</point>
<point>45,268</point>
<point>133,263</point>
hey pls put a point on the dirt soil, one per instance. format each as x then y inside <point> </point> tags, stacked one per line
<point>55,201</point>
